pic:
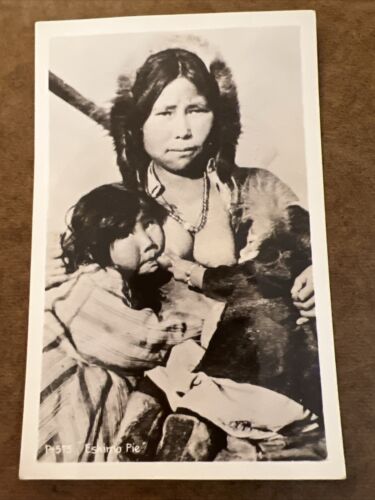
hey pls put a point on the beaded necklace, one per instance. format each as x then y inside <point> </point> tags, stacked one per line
<point>191,228</point>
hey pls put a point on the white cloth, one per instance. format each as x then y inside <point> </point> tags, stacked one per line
<point>241,410</point>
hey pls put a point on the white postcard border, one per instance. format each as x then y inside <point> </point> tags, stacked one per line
<point>331,468</point>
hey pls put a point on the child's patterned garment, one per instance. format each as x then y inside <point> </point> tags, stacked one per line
<point>95,349</point>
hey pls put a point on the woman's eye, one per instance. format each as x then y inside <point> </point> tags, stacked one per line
<point>198,110</point>
<point>163,113</point>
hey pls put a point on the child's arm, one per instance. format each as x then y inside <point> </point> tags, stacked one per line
<point>105,331</point>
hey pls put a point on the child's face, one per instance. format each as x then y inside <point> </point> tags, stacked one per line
<point>138,251</point>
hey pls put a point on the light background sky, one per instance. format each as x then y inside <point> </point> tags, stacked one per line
<point>266,66</point>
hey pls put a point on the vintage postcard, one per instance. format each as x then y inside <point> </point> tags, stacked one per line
<point>180,321</point>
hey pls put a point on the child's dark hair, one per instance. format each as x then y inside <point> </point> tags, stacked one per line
<point>106,213</point>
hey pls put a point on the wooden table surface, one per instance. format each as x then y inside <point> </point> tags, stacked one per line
<point>346,55</point>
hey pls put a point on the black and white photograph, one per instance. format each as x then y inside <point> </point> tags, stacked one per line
<point>180,321</point>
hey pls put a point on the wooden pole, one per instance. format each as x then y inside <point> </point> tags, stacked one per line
<point>75,99</point>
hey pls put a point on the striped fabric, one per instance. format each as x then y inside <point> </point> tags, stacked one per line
<point>95,350</point>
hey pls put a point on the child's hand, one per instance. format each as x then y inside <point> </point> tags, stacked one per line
<point>303,295</point>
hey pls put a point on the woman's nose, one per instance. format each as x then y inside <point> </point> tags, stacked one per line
<point>181,126</point>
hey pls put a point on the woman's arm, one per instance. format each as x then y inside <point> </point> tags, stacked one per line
<point>284,255</point>
<point>222,282</point>
<point>283,263</point>
<point>263,196</point>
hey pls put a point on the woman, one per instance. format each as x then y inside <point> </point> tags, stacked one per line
<point>175,133</point>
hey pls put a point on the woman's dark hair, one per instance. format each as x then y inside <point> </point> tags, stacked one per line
<point>133,105</point>
<point>106,213</point>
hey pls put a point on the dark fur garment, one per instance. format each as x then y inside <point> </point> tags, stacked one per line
<point>258,340</point>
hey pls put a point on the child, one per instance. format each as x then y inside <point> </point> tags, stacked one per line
<point>103,326</point>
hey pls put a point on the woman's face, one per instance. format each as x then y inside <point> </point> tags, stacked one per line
<point>138,251</point>
<point>178,126</point>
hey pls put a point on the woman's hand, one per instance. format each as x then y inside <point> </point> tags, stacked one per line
<point>180,268</point>
<point>164,261</point>
<point>183,270</point>
<point>303,295</point>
